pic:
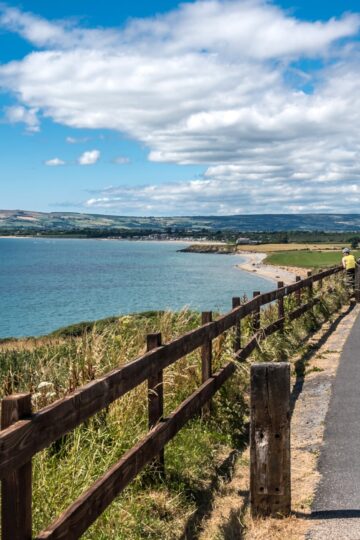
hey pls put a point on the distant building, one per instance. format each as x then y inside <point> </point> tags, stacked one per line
<point>243,241</point>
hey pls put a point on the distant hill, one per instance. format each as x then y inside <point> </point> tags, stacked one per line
<point>22,221</point>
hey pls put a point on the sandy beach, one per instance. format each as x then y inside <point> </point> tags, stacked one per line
<point>254,264</point>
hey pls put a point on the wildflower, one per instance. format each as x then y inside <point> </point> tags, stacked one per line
<point>125,321</point>
<point>45,384</point>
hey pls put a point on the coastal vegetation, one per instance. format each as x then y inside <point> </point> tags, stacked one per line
<point>263,248</point>
<point>53,366</point>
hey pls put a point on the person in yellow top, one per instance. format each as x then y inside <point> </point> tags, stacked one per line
<point>349,265</point>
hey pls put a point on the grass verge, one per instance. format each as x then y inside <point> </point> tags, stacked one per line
<point>307,259</point>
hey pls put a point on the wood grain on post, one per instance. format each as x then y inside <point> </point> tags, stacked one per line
<point>16,492</point>
<point>237,338</point>
<point>256,316</point>
<point>156,400</point>
<point>270,489</point>
<point>281,310</point>
<point>206,359</point>
<point>298,292</point>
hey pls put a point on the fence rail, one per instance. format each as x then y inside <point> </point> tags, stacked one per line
<point>25,433</point>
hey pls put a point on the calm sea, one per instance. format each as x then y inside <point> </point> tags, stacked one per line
<point>46,284</point>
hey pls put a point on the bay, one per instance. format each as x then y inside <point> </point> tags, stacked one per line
<point>49,283</point>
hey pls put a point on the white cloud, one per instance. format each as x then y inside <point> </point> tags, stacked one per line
<point>253,28</point>
<point>211,197</point>
<point>35,29</point>
<point>43,33</point>
<point>121,160</point>
<point>19,114</point>
<point>55,162</point>
<point>89,158</point>
<point>217,83</point>
<point>76,140</point>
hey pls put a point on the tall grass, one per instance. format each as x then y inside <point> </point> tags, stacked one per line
<point>53,366</point>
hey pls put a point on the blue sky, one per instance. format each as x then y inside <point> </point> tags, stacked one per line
<point>211,107</point>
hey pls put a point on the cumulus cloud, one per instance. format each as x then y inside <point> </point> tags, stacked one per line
<point>211,197</point>
<point>89,157</point>
<point>19,114</point>
<point>217,82</point>
<point>43,33</point>
<point>55,162</point>
<point>315,176</point>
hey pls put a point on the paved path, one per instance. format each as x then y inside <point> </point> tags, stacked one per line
<point>337,503</point>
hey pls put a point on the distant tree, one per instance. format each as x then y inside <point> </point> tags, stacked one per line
<point>354,241</point>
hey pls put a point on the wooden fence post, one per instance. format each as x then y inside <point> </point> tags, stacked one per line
<point>281,310</point>
<point>156,400</point>
<point>270,488</point>
<point>256,317</point>
<point>298,292</point>
<point>206,359</point>
<point>237,341</point>
<point>309,274</point>
<point>16,493</point>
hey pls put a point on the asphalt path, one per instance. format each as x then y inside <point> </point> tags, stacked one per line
<point>337,500</point>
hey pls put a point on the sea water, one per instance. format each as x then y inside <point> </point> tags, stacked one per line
<point>49,283</point>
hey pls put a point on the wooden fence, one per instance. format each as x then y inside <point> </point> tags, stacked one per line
<point>24,433</point>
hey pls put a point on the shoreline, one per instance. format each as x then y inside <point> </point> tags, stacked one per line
<point>168,241</point>
<point>254,264</point>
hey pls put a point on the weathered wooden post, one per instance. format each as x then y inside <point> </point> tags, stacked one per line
<point>156,400</point>
<point>237,341</point>
<point>298,292</point>
<point>206,359</point>
<point>270,488</point>
<point>281,310</point>
<point>256,316</point>
<point>310,293</point>
<point>16,494</point>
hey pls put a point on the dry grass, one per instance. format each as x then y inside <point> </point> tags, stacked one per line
<point>275,529</point>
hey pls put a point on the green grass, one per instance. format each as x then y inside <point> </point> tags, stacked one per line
<point>81,353</point>
<point>307,259</point>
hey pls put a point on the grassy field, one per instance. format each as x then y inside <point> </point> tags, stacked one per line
<point>307,259</point>
<point>269,248</point>
<point>54,366</point>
